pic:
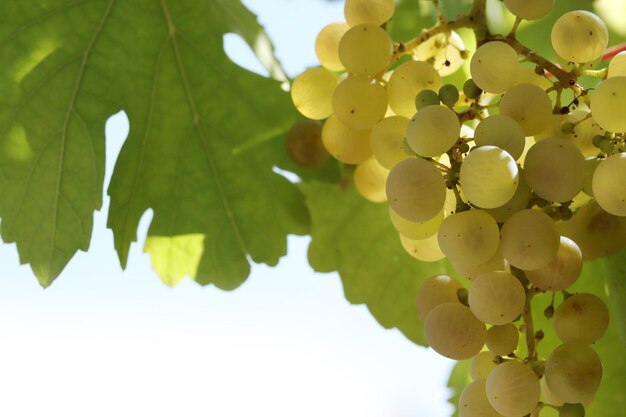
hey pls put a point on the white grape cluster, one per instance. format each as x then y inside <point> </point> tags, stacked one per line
<point>517,179</point>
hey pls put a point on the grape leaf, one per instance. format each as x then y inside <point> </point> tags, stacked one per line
<point>615,276</point>
<point>355,237</point>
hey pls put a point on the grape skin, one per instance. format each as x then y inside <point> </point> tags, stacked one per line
<point>513,389</point>
<point>435,290</point>
<point>496,297</point>
<point>608,184</point>
<point>573,372</point>
<point>583,317</point>
<point>579,36</point>
<point>433,130</point>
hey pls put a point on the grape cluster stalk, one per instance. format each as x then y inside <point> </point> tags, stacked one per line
<point>517,177</point>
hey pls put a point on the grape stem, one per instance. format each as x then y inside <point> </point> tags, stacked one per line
<point>527,315</point>
<point>613,50</point>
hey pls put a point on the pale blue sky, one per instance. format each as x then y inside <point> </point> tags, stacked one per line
<point>106,342</point>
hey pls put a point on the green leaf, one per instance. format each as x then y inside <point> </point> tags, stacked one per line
<point>355,237</point>
<point>410,17</point>
<point>615,277</point>
<point>458,380</point>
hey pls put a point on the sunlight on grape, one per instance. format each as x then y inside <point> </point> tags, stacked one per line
<point>42,50</point>
<point>612,12</point>
<point>15,145</point>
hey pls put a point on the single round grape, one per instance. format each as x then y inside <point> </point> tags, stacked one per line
<point>304,144</point>
<point>375,12</point>
<point>452,331</point>
<point>513,389</point>
<point>572,410</point>
<point>406,81</point>
<point>606,100</point>
<point>386,140</point>
<point>494,67</point>
<point>416,230</point>
<point>617,66</point>
<point>369,179</point>
<point>425,250</point>
<point>473,401</point>
<point>501,131</point>
<point>482,365</point>
<point>579,36</point>
<point>583,317</point>
<point>469,238</point>
<point>529,9</point>
<point>573,372</point>
<point>502,340</point>
<point>312,92</point>
<point>350,146</point>
<point>496,297</point>
<point>416,189</point>
<point>529,239</point>
<point>365,50</point>
<point>470,89</point>
<point>433,130</point>
<point>445,52</point>
<point>426,98</point>
<point>359,102</point>
<point>555,169</point>
<point>518,202</point>
<point>449,94</point>
<point>608,184</point>
<point>435,290</point>
<point>528,105</point>
<point>562,271</point>
<point>327,45</point>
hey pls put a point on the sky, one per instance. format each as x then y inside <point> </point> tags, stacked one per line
<point>105,342</point>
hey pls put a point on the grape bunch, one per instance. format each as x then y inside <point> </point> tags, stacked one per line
<point>517,177</point>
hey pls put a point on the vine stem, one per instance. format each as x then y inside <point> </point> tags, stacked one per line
<point>529,330</point>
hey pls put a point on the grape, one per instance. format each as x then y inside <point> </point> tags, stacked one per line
<point>435,290</point>
<point>386,140</point>
<point>549,397</point>
<point>452,331</point>
<point>494,67</point>
<point>617,66</point>
<point>555,169</point>
<point>469,238</point>
<point>416,230</point>
<point>365,50</point>
<point>573,372</point>
<point>579,36</point>
<point>495,263</point>
<point>583,317</point>
<point>518,202</point>
<point>489,176</point>
<point>443,52</point>
<point>562,271</point>
<point>359,102</point>
<point>375,12</point>
<point>513,389</point>
<point>369,179</point>
<point>590,168</point>
<point>425,250</point>
<point>426,98</point>
<point>529,9</point>
<point>473,401</point>
<point>606,100</point>
<point>482,365</point>
<point>572,410</point>
<point>496,297</point>
<point>502,340</point>
<point>350,146</point>
<point>471,90</point>
<point>304,144</point>
<point>433,130</point>
<point>608,184</point>
<point>406,81</point>
<point>416,189</point>
<point>529,106</point>
<point>327,45</point>
<point>312,92</point>
<point>501,131</point>
<point>529,239</point>
<point>449,95</point>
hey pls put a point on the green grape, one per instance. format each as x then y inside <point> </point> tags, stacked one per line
<point>617,66</point>
<point>555,169</point>
<point>529,9</point>
<point>518,202</point>
<point>548,396</point>
<point>471,90</point>
<point>312,92</point>
<point>469,238</point>
<point>425,250</point>
<point>608,184</point>
<point>304,144</point>
<point>572,410</point>
<point>502,340</point>
<point>562,271</point>
<point>426,98</point>
<point>386,140</point>
<point>416,230</point>
<point>350,146</point>
<point>473,401</point>
<point>513,389</point>
<point>583,317</point>
<point>494,67</point>
<point>406,81</point>
<point>327,45</point>
<point>590,168</point>
<point>584,130</point>
<point>449,94</point>
<point>495,263</point>
<point>416,189</point>
<point>435,290</point>
<point>443,51</point>
<point>375,12</point>
<point>489,177</point>
<point>359,102</point>
<point>529,106</point>
<point>530,76</point>
<point>365,50</point>
<point>496,297</point>
<point>433,131</point>
<point>369,179</point>
<point>529,239</point>
<point>482,365</point>
<point>452,331</point>
<point>573,372</point>
<point>579,36</point>
<point>501,131</point>
<point>606,100</point>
